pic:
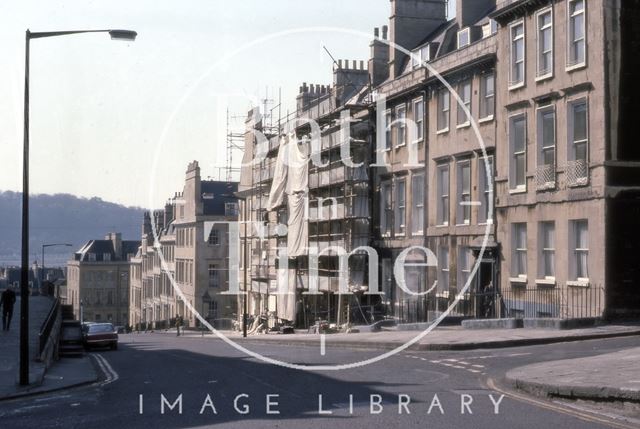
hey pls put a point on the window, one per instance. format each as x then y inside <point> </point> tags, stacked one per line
<point>487,95</point>
<point>464,92</point>
<point>464,38</point>
<point>578,157</point>
<point>579,231</point>
<point>421,56</point>
<point>490,28</point>
<point>401,198</point>
<point>546,171</point>
<point>401,125</point>
<point>443,195</point>
<point>464,266</point>
<point>443,269</point>
<point>519,252</point>
<point>518,146</point>
<point>485,214</point>
<point>231,209</point>
<point>214,237</point>
<point>517,54</point>
<point>91,257</point>
<point>577,33</point>
<point>418,119</point>
<point>547,231</point>
<point>417,208</point>
<point>463,216</point>
<point>106,257</point>
<point>214,276</point>
<point>545,43</point>
<point>385,209</point>
<point>443,110</point>
<point>387,124</point>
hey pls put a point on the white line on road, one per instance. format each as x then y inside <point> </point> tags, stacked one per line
<point>110,373</point>
<point>322,344</point>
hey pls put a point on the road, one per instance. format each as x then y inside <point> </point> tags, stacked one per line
<point>224,388</point>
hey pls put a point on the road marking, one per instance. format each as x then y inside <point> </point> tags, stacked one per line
<point>322,344</point>
<point>107,369</point>
<point>477,366</point>
<point>549,406</point>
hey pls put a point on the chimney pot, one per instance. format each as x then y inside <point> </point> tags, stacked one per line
<point>376,32</point>
<point>385,32</point>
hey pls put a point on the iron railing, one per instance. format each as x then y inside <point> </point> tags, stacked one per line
<point>566,302</point>
<point>47,325</point>
<point>571,302</point>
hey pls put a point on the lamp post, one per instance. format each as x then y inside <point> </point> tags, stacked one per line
<point>42,268</point>
<point>24,274</point>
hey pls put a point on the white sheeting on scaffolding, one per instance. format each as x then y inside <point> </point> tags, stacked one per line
<point>278,186</point>
<point>291,178</point>
<point>286,304</point>
<point>298,227</point>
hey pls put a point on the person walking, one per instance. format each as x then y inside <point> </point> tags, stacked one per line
<point>7,299</point>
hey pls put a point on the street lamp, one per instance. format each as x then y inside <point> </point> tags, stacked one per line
<point>24,274</point>
<point>42,261</point>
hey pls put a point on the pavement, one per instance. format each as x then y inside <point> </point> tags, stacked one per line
<point>65,373</point>
<point>441,338</point>
<point>610,376</point>
<point>39,307</point>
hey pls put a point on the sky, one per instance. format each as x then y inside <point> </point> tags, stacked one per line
<point>121,120</point>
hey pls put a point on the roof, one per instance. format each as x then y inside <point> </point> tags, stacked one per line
<point>102,247</point>
<point>215,195</point>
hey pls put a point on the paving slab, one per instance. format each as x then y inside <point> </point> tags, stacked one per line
<point>39,307</point>
<point>610,376</point>
<point>442,338</point>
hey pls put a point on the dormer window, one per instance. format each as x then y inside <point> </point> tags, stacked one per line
<point>420,56</point>
<point>490,28</point>
<point>464,37</point>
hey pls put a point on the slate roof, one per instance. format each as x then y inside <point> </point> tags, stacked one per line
<point>215,194</point>
<point>101,247</point>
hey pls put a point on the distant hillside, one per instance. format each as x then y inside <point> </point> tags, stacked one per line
<point>61,218</point>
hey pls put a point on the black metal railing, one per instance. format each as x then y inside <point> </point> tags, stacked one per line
<point>570,302</point>
<point>566,302</point>
<point>47,325</point>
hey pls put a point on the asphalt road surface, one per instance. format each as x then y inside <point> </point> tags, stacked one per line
<point>160,381</point>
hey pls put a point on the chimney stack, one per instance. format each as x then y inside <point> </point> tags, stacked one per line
<point>379,60</point>
<point>411,21</point>
<point>468,12</point>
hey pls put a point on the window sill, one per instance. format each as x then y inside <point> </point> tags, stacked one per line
<point>576,67</point>
<point>546,282</point>
<point>417,234</point>
<point>398,146</point>
<point>518,191</point>
<point>485,120</point>
<point>442,131</point>
<point>516,86</point>
<point>579,283</point>
<point>519,281</point>
<point>487,222</point>
<point>417,141</point>
<point>544,77</point>
<point>443,225</point>
<point>462,126</point>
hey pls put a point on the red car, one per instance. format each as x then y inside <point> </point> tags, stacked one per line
<point>100,335</point>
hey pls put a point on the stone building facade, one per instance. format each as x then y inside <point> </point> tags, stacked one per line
<point>98,280</point>
<point>187,250</point>
<point>503,145</point>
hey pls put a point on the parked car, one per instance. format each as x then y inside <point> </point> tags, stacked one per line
<point>100,335</point>
<point>121,330</point>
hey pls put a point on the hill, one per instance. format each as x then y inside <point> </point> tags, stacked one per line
<point>61,218</point>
